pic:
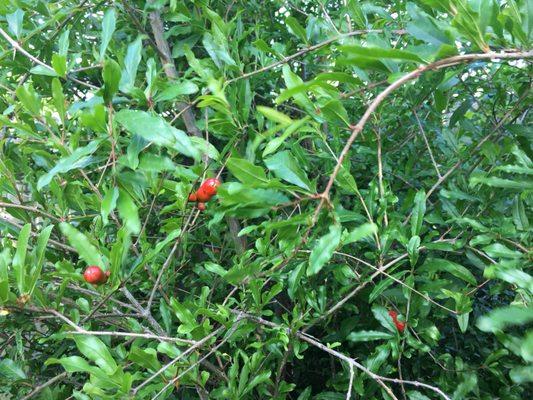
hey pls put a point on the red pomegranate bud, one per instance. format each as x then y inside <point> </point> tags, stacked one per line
<point>399,324</point>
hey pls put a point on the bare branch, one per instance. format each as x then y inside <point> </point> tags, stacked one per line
<point>309,49</point>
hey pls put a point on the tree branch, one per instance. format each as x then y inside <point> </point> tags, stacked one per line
<point>444,63</point>
<point>350,361</point>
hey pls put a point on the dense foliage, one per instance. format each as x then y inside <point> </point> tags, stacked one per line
<point>370,239</point>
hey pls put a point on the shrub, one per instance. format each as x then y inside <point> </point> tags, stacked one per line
<point>370,238</point>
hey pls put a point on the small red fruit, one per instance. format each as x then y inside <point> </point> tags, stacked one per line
<point>400,325</point>
<point>94,274</point>
<point>210,186</point>
<point>201,206</point>
<point>202,195</point>
<point>192,197</point>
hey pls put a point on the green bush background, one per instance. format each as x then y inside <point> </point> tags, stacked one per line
<point>376,156</point>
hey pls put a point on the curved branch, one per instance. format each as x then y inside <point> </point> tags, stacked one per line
<point>444,63</point>
<point>35,60</point>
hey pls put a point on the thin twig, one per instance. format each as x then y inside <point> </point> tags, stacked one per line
<point>212,351</point>
<point>350,384</point>
<point>35,60</point>
<point>398,281</point>
<point>29,208</point>
<point>427,143</point>
<point>37,389</point>
<point>169,258</point>
<point>309,49</point>
<point>197,345</point>
<point>35,234</point>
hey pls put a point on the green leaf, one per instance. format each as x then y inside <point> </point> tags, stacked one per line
<point>186,317</point>
<point>76,364</point>
<point>63,43</point>
<point>462,320</point>
<point>11,370</point>
<point>295,278</point>
<point>334,111</point>
<point>215,268</point>
<point>216,46</point>
<point>83,246</point>
<point>357,13</point>
<point>498,250</point>
<point>345,180</point>
<point>292,80</point>
<point>111,74</point>
<point>378,53</point>
<point>246,172</point>
<point>275,143</point>
<point>4,278</point>
<point>128,212</point>
<point>42,70</point>
<point>108,27</point>
<point>156,130</point>
<point>501,318</point>
<point>29,99</point>
<point>382,315</point>
<point>204,147</point>
<point>131,63</point>
<point>440,264</point>
<point>426,28</point>
<point>78,159</point>
<point>494,181</point>
<point>419,209</point>
<point>59,99</point>
<point>15,22</point>
<point>95,350</point>
<point>323,250</point>
<point>296,29</point>
<point>415,395</point>
<point>275,115</point>
<point>285,167</point>
<point>522,375</point>
<point>177,89</point>
<point>40,249</point>
<point>109,203</point>
<point>359,233</point>
<point>147,358</point>
<point>368,336</point>
<point>413,249</point>
<point>511,275</point>
<point>59,63</point>
<point>19,259</point>
<point>384,285</point>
